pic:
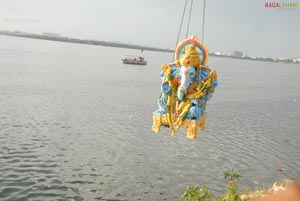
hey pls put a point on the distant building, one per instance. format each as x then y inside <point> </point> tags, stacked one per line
<point>237,54</point>
<point>280,59</point>
<point>53,35</point>
<point>218,53</point>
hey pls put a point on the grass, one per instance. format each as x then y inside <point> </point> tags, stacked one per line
<point>196,193</point>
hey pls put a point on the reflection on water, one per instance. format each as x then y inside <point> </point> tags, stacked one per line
<point>75,124</point>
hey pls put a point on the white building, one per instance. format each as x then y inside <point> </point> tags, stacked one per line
<point>53,35</point>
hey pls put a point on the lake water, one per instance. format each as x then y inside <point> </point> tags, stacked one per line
<point>75,124</point>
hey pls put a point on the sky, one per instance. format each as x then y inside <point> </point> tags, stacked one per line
<point>230,25</point>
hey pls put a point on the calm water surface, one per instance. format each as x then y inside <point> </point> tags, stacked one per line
<point>75,124</point>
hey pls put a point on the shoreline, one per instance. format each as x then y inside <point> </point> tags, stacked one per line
<point>138,47</point>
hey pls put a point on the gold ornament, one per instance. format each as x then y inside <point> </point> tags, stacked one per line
<point>190,58</point>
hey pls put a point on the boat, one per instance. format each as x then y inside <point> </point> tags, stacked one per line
<point>138,60</point>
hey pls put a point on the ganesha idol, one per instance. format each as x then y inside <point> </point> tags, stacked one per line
<point>187,85</point>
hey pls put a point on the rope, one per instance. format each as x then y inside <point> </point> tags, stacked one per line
<point>180,26</point>
<point>187,30</point>
<point>188,26</point>
<point>203,21</point>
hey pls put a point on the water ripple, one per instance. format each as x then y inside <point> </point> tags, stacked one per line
<point>69,131</point>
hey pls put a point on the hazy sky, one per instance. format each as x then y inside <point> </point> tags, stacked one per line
<point>244,25</point>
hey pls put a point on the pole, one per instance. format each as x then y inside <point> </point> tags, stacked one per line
<point>203,21</point>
